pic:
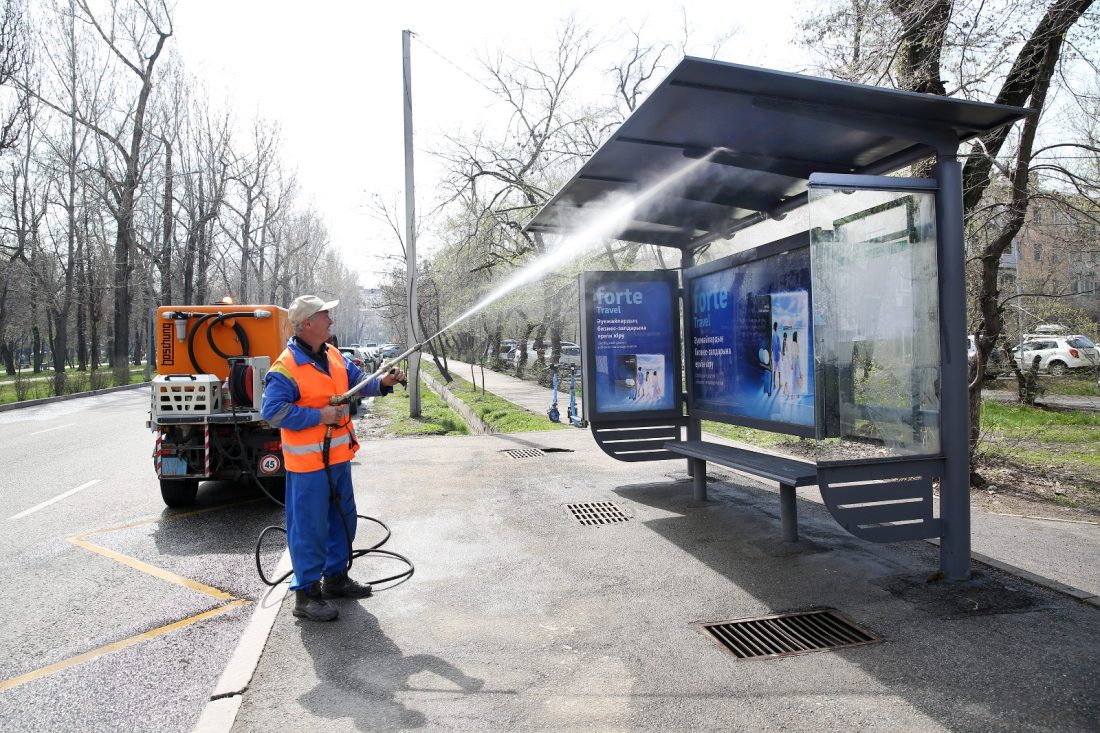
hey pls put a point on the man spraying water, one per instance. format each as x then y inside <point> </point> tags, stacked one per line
<point>318,445</point>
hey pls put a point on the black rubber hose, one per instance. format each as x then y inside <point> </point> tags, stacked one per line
<point>242,335</point>
<point>191,342</point>
<point>353,554</point>
<point>372,550</point>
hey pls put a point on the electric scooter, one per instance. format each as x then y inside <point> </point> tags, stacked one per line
<point>574,415</point>
<point>553,413</point>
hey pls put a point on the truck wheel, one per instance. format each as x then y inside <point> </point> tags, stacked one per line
<point>179,492</point>
<point>1057,368</point>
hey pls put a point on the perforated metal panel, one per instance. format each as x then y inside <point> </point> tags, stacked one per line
<point>638,440</point>
<point>884,500</point>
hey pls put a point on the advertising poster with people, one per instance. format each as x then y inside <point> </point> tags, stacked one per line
<point>635,344</point>
<point>750,341</point>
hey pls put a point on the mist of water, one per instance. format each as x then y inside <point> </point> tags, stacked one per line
<point>607,223</point>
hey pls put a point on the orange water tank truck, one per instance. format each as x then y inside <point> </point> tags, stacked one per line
<point>211,364</point>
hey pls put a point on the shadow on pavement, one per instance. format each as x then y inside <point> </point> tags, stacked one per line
<point>992,653</point>
<point>226,517</point>
<point>361,672</point>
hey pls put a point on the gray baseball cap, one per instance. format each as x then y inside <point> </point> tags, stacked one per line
<point>305,306</point>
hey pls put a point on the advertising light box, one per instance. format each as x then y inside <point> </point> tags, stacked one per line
<point>631,345</point>
<point>750,338</point>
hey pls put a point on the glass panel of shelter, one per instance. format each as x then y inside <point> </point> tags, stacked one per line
<point>876,317</point>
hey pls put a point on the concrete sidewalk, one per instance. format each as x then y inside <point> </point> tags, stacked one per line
<point>1063,551</point>
<point>520,617</point>
<point>524,393</point>
<point>1070,402</point>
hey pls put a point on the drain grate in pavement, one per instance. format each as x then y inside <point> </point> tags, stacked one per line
<point>597,512</point>
<point>525,453</point>
<point>785,634</point>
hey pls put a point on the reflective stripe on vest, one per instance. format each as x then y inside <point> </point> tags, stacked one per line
<point>302,448</point>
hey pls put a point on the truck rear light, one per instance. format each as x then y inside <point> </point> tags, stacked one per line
<point>1075,353</point>
<point>273,445</point>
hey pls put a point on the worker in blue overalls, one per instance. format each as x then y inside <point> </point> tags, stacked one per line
<point>297,391</point>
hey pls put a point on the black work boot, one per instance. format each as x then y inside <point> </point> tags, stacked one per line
<point>341,586</point>
<point>310,603</point>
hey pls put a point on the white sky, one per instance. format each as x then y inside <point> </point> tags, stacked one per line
<point>329,74</point>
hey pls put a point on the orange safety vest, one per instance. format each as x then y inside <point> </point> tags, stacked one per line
<point>302,449</point>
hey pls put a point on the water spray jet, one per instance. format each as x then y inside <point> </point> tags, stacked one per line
<point>605,225</point>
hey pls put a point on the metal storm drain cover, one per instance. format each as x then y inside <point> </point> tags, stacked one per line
<point>785,634</point>
<point>597,512</point>
<point>525,453</point>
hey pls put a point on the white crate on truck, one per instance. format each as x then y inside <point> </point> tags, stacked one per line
<point>187,394</point>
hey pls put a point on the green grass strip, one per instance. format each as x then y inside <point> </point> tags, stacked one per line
<point>500,414</point>
<point>30,386</point>
<point>1041,438</point>
<point>762,438</point>
<point>436,418</point>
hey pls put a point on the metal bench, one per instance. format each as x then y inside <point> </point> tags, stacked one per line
<point>880,500</point>
<point>790,473</point>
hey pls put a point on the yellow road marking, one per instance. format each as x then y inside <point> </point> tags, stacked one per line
<point>150,569</point>
<point>116,646</point>
<point>80,541</point>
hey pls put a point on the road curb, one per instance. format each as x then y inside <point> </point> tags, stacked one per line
<point>473,420</point>
<point>1035,579</point>
<point>220,713</point>
<point>75,395</point>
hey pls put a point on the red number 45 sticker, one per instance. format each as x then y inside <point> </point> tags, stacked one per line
<point>270,463</point>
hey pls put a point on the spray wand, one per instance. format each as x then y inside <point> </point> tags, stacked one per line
<point>386,367</point>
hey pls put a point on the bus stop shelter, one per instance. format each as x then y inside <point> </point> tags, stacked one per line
<point>765,140</point>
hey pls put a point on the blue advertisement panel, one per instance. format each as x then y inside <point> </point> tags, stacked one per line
<point>750,341</point>
<point>632,345</point>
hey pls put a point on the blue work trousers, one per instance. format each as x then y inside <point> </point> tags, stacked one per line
<point>315,535</point>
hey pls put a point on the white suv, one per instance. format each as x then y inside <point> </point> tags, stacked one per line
<point>1057,355</point>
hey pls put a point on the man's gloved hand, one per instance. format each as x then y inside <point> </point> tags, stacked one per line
<point>394,376</point>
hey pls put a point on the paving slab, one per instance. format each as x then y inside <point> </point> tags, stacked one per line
<point>521,618</point>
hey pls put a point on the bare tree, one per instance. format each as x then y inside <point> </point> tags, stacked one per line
<point>906,43</point>
<point>14,61</point>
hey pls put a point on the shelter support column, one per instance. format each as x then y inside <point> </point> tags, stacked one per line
<point>788,512</point>
<point>698,478</point>
<point>954,405</point>
<point>694,424</point>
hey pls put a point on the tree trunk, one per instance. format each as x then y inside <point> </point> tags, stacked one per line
<point>36,348</point>
<point>1040,60</point>
<point>166,234</point>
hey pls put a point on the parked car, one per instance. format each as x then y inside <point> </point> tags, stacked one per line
<point>352,353</point>
<point>1058,355</point>
<point>507,349</point>
<point>994,363</point>
<point>567,347</point>
<point>370,361</point>
<point>370,348</point>
<point>389,351</point>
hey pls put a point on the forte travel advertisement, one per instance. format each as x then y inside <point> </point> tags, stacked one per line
<point>632,329</point>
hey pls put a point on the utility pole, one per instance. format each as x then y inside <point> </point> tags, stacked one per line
<point>410,228</point>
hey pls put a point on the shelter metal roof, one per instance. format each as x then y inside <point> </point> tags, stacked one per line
<point>765,132</point>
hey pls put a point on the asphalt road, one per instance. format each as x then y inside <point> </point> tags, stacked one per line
<point>119,614</point>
